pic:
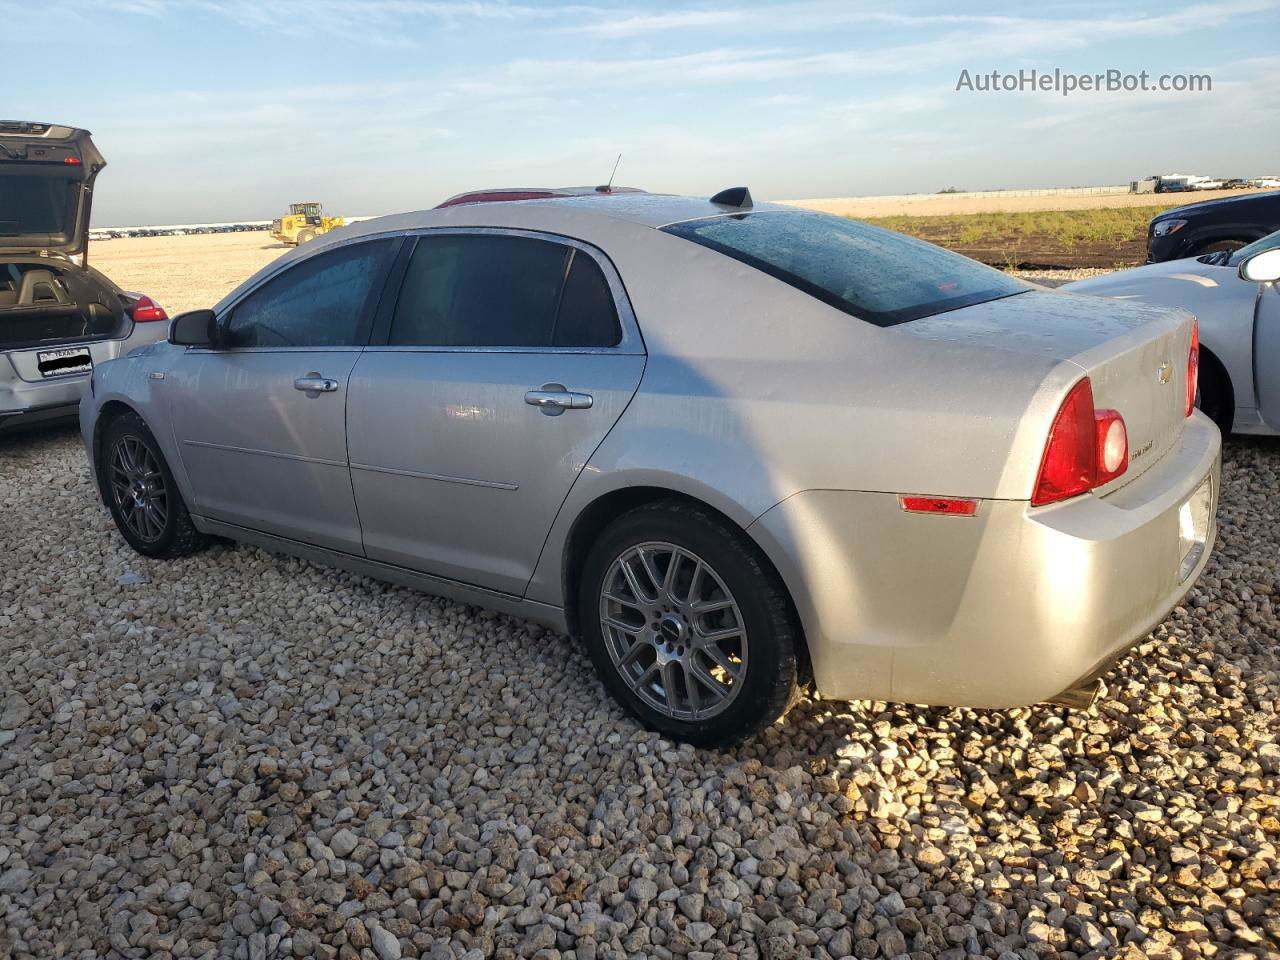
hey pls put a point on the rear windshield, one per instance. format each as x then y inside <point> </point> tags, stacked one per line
<point>39,205</point>
<point>876,275</point>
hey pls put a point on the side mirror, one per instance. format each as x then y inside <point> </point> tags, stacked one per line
<point>1262,267</point>
<point>196,328</point>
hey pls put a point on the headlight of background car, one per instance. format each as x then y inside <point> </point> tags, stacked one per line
<point>1166,227</point>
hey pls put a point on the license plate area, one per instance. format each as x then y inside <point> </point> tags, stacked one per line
<point>1193,527</point>
<point>64,362</point>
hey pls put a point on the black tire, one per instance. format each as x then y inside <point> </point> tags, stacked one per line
<point>771,634</point>
<point>305,235</point>
<point>1215,396</point>
<point>173,534</point>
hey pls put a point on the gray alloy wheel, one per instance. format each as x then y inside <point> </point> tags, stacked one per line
<point>673,630</point>
<point>138,487</point>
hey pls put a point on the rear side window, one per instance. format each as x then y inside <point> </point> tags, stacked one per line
<point>588,316</point>
<point>876,275</point>
<point>321,302</point>
<point>493,290</point>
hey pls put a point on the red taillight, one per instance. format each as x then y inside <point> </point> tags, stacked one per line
<point>71,161</point>
<point>1085,449</point>
<point>1193,366</point>
<point>146,310</point>
<point>947,506</point>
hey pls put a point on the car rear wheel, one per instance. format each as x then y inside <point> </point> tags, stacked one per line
<point>688,626</point>
<point>141,493</point>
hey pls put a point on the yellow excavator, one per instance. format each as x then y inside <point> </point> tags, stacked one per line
<point>305,221</point>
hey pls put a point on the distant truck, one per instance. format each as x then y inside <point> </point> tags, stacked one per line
<point>305,221</point>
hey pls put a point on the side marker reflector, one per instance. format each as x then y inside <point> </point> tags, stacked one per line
<point>947,506</point>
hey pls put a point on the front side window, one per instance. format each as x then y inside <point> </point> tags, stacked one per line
<point>496,290</point>
<point>876,275</point>
<point>321,302</point>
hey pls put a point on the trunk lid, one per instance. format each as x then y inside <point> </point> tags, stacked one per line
<point>47,173</point>
<point>1134,354</point>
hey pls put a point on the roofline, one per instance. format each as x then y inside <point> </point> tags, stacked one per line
<point>556,192</point>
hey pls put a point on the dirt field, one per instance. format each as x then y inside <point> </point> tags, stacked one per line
<point>184,273</point>
<point>942,204</point>
<point>1107,237</point>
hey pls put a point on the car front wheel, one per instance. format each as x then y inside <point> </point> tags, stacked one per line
<point>688,626</point>
<point>140,491</point>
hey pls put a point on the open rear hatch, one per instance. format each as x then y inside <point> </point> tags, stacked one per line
<point>47,298</point>
<point>46,189</point>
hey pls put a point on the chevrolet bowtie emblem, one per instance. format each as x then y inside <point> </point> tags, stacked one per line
<point>1165,373</point>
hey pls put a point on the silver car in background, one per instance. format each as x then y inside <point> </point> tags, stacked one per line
<point>736,448</point>
<point>58,316</point>
<point>1235,298</point>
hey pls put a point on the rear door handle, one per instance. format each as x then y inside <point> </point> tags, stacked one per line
<point>553,399</point>
<point>313,384</point>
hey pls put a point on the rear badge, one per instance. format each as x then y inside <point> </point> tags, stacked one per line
<point>60,363</point>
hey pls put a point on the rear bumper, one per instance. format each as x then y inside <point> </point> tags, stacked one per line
<point>35,416</point>
<point>25,396</point>
<point>1003,609</point>
<point>18,398</point>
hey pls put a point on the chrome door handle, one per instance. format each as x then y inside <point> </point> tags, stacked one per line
<point>313,384</point>
<point>553,399</point>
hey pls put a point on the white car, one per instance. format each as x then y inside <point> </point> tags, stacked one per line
<point>1235,297</point>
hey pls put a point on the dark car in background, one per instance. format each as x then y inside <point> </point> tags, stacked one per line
<point>1212,226</point>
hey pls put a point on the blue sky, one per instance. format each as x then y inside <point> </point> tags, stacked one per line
<point>229,109</point>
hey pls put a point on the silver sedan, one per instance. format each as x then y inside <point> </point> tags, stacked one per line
<point>737,449</point>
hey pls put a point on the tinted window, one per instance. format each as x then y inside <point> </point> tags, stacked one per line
<point>502,291</point>
<point>318,303</point>
<point>479,291</point>
<point>587,316</point>
<point>42,205</point>
<point>877,275</point>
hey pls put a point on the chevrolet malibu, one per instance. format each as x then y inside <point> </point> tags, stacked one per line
<point>737,448</point>
<point>58,316</point>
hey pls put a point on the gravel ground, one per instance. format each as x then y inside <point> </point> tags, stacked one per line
<point>241,755</point>
<point>1056,278</point>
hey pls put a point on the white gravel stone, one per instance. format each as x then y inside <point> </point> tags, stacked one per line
<point>246,756</point>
